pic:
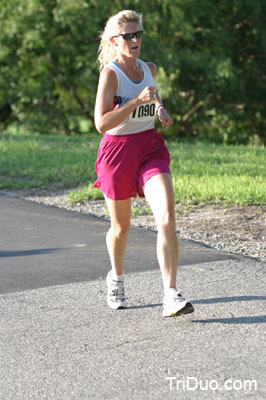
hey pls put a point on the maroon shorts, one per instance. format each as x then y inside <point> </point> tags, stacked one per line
<point>125,163</point>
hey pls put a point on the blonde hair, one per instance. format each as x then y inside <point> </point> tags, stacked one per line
<point>106,51</point>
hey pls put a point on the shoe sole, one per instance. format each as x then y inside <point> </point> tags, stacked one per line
<point>188,309</point>
<point>114,306</point>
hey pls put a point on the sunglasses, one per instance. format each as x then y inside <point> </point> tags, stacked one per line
<point>129,36</point>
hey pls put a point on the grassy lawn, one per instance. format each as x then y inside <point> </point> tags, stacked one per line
<point>218,173</point>
<point>38,161</point>
<point>202,172</point>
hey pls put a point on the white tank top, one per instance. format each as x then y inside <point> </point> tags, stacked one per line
<point>143,117</point>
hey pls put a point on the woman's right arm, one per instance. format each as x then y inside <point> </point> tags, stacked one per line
<point>104,116</point>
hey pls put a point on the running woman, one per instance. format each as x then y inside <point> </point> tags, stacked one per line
<point>133,158</point>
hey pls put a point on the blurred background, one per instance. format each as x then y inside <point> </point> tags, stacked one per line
<point>210,57</point>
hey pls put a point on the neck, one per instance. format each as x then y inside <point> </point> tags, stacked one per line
<point>128,62</point>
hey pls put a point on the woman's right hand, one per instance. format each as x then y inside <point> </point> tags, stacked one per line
<point>147,94</point>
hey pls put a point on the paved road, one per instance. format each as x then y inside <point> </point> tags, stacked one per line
<point>43,246</point>
<point>59,340</point>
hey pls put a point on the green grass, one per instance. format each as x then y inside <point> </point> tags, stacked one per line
<point>218,173</point>
<point>136,211</point>
<point>202,172</point>
<point>86,192</point>
<point>37,161</point>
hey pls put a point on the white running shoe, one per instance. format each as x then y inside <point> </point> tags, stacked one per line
<point>176,305</point>
<point>116,293</point>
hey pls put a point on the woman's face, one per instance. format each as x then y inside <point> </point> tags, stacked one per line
<point>131,47</point>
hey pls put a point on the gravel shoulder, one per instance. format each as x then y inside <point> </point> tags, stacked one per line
<point>231,228</point>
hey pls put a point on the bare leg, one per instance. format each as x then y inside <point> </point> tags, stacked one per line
<point>160,196</point>
<point>116,238</point>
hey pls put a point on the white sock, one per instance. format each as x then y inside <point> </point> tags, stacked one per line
<point>170,292</point>
<point>118,278</point>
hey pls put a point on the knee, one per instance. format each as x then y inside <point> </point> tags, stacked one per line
<point>167,222</point>
<point>119,231</point>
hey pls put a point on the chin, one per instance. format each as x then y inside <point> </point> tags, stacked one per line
<point>135,53</point>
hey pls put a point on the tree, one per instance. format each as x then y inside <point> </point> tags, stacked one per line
<point>48,69</point>
<point>210,58</point>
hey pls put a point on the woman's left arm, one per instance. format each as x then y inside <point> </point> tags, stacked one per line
<point>161,112</point>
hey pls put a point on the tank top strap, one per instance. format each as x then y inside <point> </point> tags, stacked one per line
<point>145,66</point>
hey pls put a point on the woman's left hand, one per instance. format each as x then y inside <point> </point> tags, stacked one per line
<point>164,118</point>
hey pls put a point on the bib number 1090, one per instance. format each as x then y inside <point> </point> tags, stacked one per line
<point>145,112</point>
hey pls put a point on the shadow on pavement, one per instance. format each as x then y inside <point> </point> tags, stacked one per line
<point>260,319</point>
<point>22,253</point>
<point>228,299</point>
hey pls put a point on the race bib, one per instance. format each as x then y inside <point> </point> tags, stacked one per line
<point>143,113</point>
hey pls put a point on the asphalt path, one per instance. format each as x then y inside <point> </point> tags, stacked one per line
<point>59,340</point>
<point>44,246</point>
